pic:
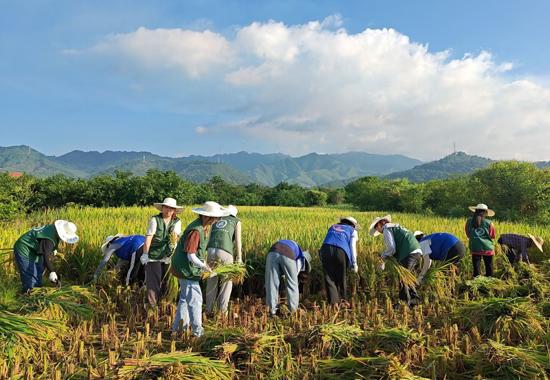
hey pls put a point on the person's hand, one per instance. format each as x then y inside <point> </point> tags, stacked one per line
<point>144,259</point>
<point>213,274</point>
<point>55,252</point>
<point>420,280</point>
<point>53,277</point>
<point>166,260</point>
<point>94,278</point>
<point>239,261</point>
<point>355,268</point>
<point>381,266</point>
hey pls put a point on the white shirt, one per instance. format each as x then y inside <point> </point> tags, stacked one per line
<point>354,239</point>
<point>390,241</point>
<point>152,227</point>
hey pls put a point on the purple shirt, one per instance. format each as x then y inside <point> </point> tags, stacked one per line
<point>517,242</point>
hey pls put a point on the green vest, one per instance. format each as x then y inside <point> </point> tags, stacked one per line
<point>27,244</point>
<point>405,242</point>
<point>480,238</point>
<point>160,245</point>
<point>223,234</point>
<point>180,262</point>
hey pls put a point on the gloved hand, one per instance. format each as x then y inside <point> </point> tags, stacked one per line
<point>166,260</point>
<point>381,266</point>
<point>144,259</point>
<point>355,268</point>
<point>53,277</point>
<point>420,280</point>
<point>213,274</point>
<point>55,252</point>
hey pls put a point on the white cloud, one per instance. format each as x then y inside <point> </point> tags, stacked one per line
<point>317,85</point>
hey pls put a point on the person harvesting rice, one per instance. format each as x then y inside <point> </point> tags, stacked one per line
<point>481,233</point>
<point>401,244</point>
<point>286,258</point>
<point>337,254</point>
<point>162,232</point>
<point>128,249</point>
<point>223,244</point>
<point>440,246</point>
<point>187,263</point>
<point>516,246</point>
<point>34,250</point>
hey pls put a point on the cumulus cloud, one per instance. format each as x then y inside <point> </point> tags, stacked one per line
<point>316,87</point>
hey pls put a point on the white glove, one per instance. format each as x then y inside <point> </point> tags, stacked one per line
<point>420,280</point>
<point>213,274</point>
<point>144,259</point>
<point>55,252</point>
<point>381,266</point>
<point>166,260</point>
<point>53,277</point>
<point>355,268</point>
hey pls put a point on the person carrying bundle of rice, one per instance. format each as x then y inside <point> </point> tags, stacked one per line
<point>188,261</point>
<point>128,249</point>
<point>440,246</point>
<point>516,246</point>
<point>34,250</point>
<point>223,244</point>
<point>401,244</point>
<point>163,230</point>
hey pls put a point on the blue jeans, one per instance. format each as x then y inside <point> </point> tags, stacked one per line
<point>30,269</point>
<point>189,308</point>
<point>277,265</point>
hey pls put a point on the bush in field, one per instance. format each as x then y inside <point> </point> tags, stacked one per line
<point>15,194</point>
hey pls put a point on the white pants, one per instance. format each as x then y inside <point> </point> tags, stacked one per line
<point>189,307</point>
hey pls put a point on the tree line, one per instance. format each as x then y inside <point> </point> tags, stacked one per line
<point>517,191</point>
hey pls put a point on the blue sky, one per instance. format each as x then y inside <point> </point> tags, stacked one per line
<point>83,75</point>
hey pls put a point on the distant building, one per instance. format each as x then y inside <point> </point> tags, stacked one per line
<point>16,174</point>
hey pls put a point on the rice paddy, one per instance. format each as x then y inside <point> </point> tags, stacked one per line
<point>464,328</point>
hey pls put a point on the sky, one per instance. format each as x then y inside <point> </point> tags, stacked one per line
<point>203,77</point>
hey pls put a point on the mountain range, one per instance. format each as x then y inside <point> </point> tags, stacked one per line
<point>332,170</point>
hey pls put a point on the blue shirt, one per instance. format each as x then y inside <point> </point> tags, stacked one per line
<point>339,235</point>
<point>128,245</point>
<point>440,243</point>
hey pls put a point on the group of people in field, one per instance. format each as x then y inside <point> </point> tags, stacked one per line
<point>215,237</point>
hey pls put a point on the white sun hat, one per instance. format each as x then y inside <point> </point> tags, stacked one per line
<point>372,230</point>
<point>232,210</point>
<point>352,220</point>
<point>168,202</point>
<point>538,241</point>
<point>482,206</point>
<point>108,240</point>
<point>212,209</point>
<point>66,231</point>
<point>418,233</point>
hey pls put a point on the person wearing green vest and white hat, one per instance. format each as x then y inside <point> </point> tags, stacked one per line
<point>481,233</point>
<point>223,244</point>
<point>162,233</point>
<point>34,249</point>
<point>401,244</point>
<point>189,261</point>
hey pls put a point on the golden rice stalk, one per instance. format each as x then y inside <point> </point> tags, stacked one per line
<point>228,272</point>
<point>399,272</point>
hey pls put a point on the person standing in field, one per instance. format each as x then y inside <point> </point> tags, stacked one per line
<point>34,250</point>
<point>224,243</point>
<point>401,244</point>
<point>162,233</point>
<point>128,249</point>
<point>440,246</point>
<point>286,258</point>
<point>189,261</point>
<point>481,233</point>
<point>516,246</point>
<point>337,254</point>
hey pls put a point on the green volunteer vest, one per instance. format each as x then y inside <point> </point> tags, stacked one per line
<point>160,245</point>
<point>480,238</point>
<point>27,244</point>
<point>223,233</point>
<point>180,262</point>
<point>405,242</point>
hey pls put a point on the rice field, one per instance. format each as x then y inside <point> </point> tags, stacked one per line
<point>464,328</point>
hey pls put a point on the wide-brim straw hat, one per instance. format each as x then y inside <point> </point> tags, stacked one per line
<point>538,241</point>
<point>352,220</point>
<point>482,206</point>
<point>232,210</point>
<point>168,202</point>
<point>66,231</point>
<point>372,230</point>
<point>109,240</point>
<point>212,209</point>
<point>307,257</point>
<point>418,233</point>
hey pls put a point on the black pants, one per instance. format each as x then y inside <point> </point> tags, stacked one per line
<point>456,253</point>
<point>408,293</point>
<point>335,265</point>
<point>155,278</point>
<point>488,260</point>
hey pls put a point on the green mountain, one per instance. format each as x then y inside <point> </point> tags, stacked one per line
<point>454,164</point>
<point>543,164</point>
<point>25,159</point>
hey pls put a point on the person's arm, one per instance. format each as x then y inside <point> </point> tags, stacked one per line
<point>238,242</point>
<point>523,251</point>
<point>104,260</point>
<point>177,228</point>
<point>426,264</point>
<point>390,244</point>
<point>353,243</point>
<point>46,248</point>
<point>151,229</point>
<point>492,231</point>
<point>191,247</point>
